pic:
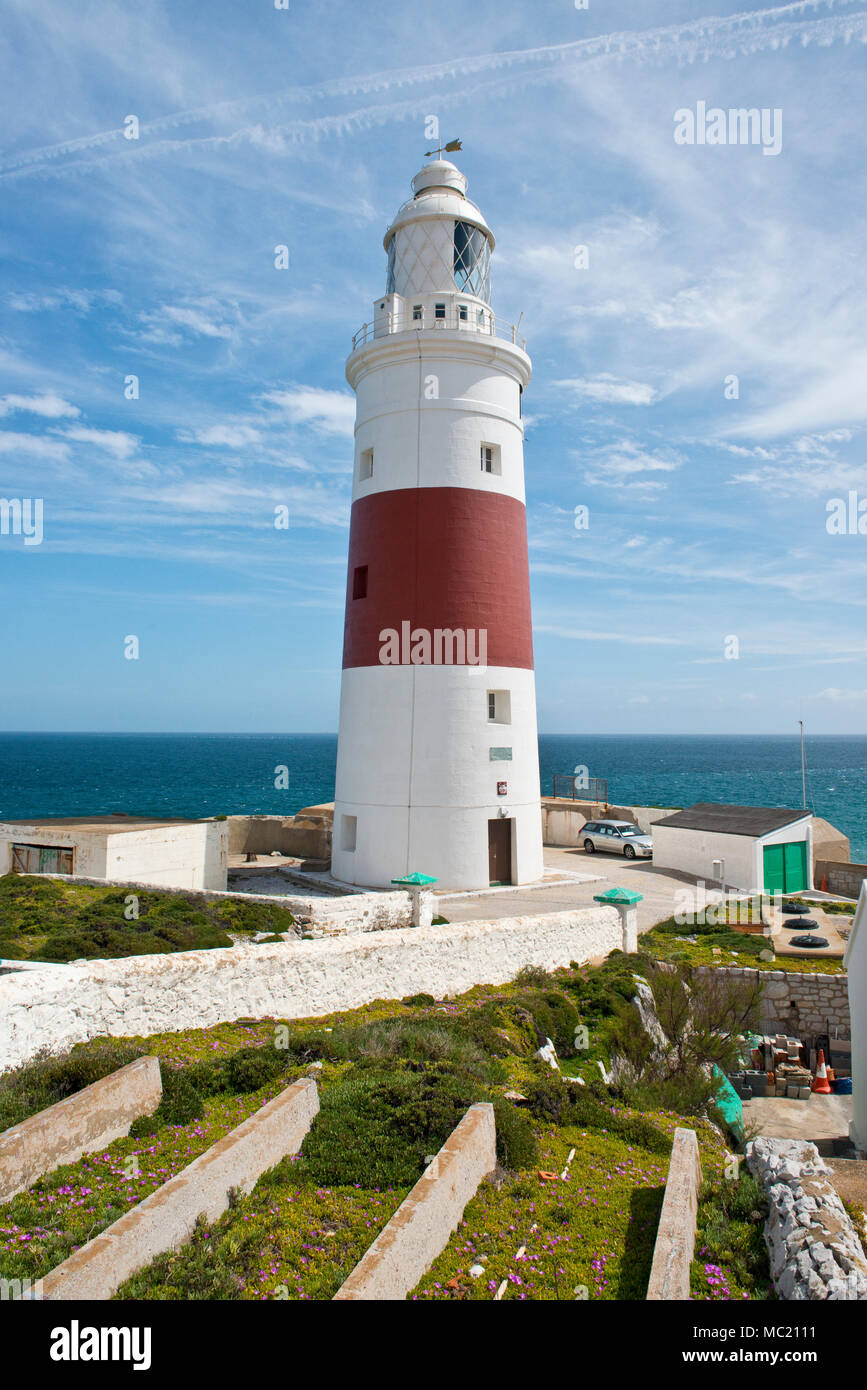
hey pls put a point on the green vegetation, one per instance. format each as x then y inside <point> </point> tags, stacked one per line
<point>43,919</point>
<point>731,1255</point>
<point>395,1078</point>
<point>696,945</point>
<point>48,1079</point>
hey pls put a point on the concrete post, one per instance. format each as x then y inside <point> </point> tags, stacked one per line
<point>421,907</point>
<point>629,923</point>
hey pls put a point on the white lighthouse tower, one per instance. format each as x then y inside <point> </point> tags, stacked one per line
<point>437,762</point>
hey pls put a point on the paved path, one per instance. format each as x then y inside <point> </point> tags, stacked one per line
<point>658,887</point>
<point>820,1117</point>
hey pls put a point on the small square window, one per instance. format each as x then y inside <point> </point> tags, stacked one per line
<point>463,313</point>
<point>359,582</point>
<point>499,707</point>
<point>417,313</point>
<point>490,454</point>
<point>348,832</point>
<point>365,465</point>
<point>439,311</point>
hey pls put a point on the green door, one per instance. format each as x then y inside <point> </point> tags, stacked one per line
<point>786,867</point>
<point>775,869</point>
<point>795,862</point>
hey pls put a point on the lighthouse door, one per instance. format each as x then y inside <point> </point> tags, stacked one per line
<point>500,851</point>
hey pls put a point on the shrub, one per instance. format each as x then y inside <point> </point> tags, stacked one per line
<point>376,1128</point>
<point>49,1078</point>
<point>552,1099</point>
<point>517,1145</point>
<point>554,1016</point>
<point>250,1068</point>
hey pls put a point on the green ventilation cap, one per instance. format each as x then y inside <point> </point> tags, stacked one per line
<point>618,896</point>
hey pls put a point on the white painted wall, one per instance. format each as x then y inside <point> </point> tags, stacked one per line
<point>419,778</point>
<point>189,856</point>
<point>89,850</point>
<point>693,852</point>
<point>855,961</point>
<point>173,856</point>
<point>419,442</point>
<point>66,1004</point>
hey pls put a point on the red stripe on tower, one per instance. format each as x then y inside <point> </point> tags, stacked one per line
<point>440,558</point>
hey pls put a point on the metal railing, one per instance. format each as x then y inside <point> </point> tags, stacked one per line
<point>574,788</point>
<point>475,320</point>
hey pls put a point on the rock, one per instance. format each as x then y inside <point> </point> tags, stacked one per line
<point>476,1271</point>
<point>549,1055</point>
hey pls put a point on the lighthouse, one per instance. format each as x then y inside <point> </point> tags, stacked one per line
<point>437,760</point>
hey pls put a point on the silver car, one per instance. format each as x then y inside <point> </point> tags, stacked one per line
<point>617,837</point>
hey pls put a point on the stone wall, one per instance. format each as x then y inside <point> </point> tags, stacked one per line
<point>675,1236</point>
<point>563,820</point>
<point>845,879</point>
<point>81,1123</point>
<point>306,835</point>
<point>325,916</point>
<point>798,1003</point>
<point>423,1223</point>
<point>66,1004</point>
<point>165,1219</point>
<point>814,1249</point>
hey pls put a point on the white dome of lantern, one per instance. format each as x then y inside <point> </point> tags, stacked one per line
<point>439,242</point>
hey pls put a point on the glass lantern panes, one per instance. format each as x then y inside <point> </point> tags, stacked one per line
<point>472,261</point>
<point>389,278</point>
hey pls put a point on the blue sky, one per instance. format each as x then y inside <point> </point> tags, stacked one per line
<point>258,127</point>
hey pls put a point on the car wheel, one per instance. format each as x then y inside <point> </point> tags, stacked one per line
<point>589,847</point>
<point>629,851</point>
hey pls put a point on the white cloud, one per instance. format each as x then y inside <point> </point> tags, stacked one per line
<point>35,445</point>
<point>608,389</point>
<point>223,436</point>
<point>627,464</point>
<point>169,323</point>
<point>115,442</point>
<point>329,412</point>
<point>50,406</point>
<point>838,695</point>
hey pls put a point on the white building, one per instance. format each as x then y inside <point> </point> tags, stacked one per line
<point>855,961</point>
<point>120,849</point>
<point>437,766</point>
<point>753,848</point>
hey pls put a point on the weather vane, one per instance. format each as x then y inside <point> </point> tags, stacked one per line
<point>443,149</point>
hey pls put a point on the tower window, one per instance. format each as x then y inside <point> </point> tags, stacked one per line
<point>365,465</point>
<point>417,313</point>
<point>491,458</point>
<point>472,261</point>
<point>348,832</point>
<point>499,707</point>
<point>439,311</point>
<point>359,582</point>
<point>463,313</point>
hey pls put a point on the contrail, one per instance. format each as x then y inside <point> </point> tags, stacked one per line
<point>714,37</point>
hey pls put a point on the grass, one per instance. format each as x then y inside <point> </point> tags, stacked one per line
<point>587,1235</point>
<point>668,941</point>
<point>395,1078</point>
<point>44,919</point>
<point>731,1257</point>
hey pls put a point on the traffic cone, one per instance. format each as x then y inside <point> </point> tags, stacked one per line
<point>821,1085</point>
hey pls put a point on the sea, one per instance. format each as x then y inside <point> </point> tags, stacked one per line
<point>68,774</point>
